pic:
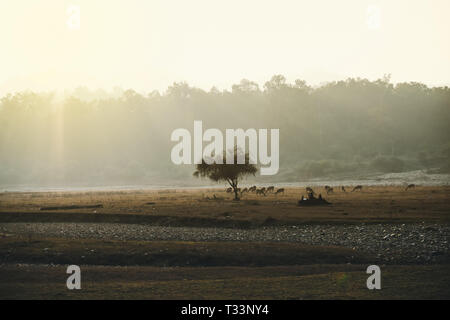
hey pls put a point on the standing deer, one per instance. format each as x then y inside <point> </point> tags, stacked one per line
<point>343,189</point>
<point>271,189</point>
<point>280,190</point>
<point>410,186</point>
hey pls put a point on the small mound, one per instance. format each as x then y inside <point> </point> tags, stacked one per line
<point>312,201</point>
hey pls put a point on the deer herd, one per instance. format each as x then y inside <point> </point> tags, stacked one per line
<point>271,190</point>
<point>259,191</point>
<point>263,191</point>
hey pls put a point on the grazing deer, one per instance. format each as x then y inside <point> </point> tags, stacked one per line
<point>252,189</point>
<point>271,189</point>
<point>410,186</point>
<point>261,191</point>
<point>343,189</point>
<point>229,190</point>
<point>281,190</point>
<point>358,187</point>
<point>245,190</point>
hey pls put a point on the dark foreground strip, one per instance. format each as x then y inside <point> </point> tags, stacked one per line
<point>157,220</point>
<point>72,207</point>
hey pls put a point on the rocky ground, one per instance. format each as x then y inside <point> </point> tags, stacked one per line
<point>390,243</point>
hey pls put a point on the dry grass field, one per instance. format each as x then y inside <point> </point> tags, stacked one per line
<point>197,207</point>
<point>273,282</point>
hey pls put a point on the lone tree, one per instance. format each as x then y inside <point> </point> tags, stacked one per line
<point>231,173</point>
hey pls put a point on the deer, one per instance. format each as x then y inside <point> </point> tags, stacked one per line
<point>260,191</point>
<point>309,190</point>
<point>271,189</point>
<point>358,187</point>
<point>330,190</point>
<point>252,189</point>
<point>245,190</point>
<point>343,189</point>
<point>280,190</point>
<point>410,186</point>
<point>229,190</point>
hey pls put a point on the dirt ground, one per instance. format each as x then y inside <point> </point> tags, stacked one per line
<point>33,265</point>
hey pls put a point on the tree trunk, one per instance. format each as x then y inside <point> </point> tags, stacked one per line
<point>236,193</point>
<point>234,185</point>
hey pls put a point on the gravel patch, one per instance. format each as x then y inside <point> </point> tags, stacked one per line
<point>390,243</point>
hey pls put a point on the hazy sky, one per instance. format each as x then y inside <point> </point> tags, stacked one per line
<point>149,44</point>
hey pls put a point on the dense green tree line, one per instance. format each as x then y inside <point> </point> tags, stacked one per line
<point>347,127</point>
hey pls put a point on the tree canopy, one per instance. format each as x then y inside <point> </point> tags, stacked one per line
<point>350,127</point>
<point>231,173</point>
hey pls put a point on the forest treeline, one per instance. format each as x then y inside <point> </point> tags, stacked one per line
<point>341,128</point>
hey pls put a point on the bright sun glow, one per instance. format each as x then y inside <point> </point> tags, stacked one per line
<point>373,17</point>
<point>146,45</point>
